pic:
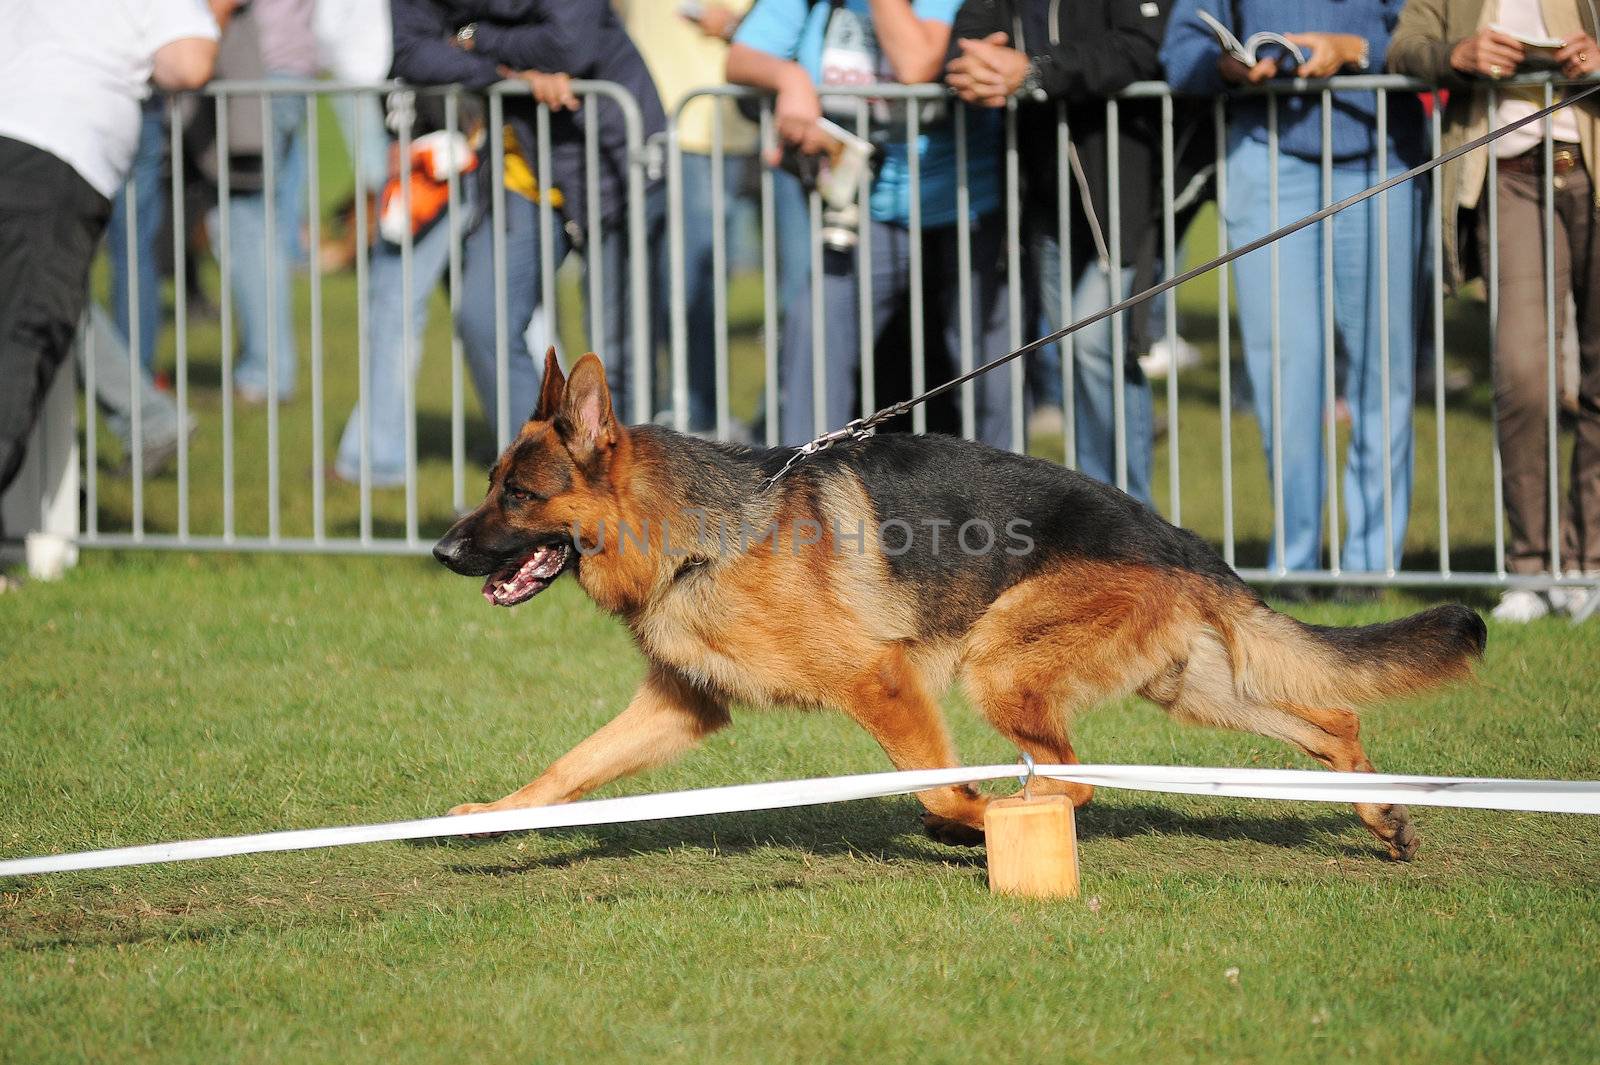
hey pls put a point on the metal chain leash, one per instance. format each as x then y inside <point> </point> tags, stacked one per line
<point>861,428</point>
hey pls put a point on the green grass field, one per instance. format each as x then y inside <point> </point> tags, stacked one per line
<point>152,697</point>
<point>148,697</point>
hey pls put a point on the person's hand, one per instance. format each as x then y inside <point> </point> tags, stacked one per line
<point>1327,53</point>
<point>552,90</point>
<point>717,21</point>
<point>1236,73</point>
<point>1579,57</point>
<point>987,72</point>
<point>223,11</point>
<point>1488,53</point>
<point>796,114</point>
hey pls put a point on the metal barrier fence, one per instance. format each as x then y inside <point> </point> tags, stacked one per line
<point>251,484</point>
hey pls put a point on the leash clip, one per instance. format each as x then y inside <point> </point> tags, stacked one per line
<point>855,429</point>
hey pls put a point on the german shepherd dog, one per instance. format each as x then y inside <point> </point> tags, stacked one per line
<point>872,574</point>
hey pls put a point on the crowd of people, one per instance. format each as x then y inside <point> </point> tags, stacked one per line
<point>1050,60</point>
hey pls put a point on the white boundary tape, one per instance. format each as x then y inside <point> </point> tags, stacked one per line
<point>1547,796</point>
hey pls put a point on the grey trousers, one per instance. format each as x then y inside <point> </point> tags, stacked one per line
<point>1521,365</point>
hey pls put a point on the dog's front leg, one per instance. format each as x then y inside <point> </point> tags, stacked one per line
<point>667,717</point>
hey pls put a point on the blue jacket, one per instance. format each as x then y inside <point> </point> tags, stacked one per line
<point>1190,51</point>
<point>583,38</point>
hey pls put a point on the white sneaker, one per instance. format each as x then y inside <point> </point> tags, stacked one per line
<point>1163,356</point>
<point>1520,606</point>
<point>1574,601</point>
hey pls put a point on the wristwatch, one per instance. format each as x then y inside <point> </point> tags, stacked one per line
<point>466,35</point>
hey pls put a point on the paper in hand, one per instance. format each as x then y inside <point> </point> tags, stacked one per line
<point>1248,51</point>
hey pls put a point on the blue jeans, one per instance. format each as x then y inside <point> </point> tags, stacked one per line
<point>791,218</point>
<point>891,276</point>
<point>255,258</point>
<point>150,203</point>
<point>373,147</point>
<point>524,293</point>
<point>1094,423</point>
<point>698,280</point>
<point>1356,311</point>
<point>386,369</point>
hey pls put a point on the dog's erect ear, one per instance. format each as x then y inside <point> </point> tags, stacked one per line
<point>550,392</point>
<point>585,421</point>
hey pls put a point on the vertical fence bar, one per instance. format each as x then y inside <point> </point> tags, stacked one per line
<point>1386,371</point>
<point>1019,414</point>
<point>408,323</point>
<point>1169,255</point>
<point>769,276</point>
<point>1436,229</point>
<point>1119,347</point>
<point>865,321</point>
<point>458,429</point>
<point>314,244</point>
<point>363,329</point>
<point>594,256</point>
<point>1330,370</point>
<point>719,268</point>
<point>130,214</point>
<point>1224,345</point>
<point>819,367</point>
<point>1492,183</point>
<point>1068,344</point>
<point>225,262</point>
<point>497,224</point>
<point>638,265</point>
<point>547,255</point>
<point>1278,532</point>
<point>679,311</point>
<point>180,311</point>
<point>1552,456</point>
<point>969,410</point>
<point>919,348</point>
<point>269,190</point>
<point>91,439</point>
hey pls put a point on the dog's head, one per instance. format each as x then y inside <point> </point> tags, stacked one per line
<point>547,484</point>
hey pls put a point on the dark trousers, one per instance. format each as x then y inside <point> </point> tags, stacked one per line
<point>50,223</point>
<point>1521,369</point>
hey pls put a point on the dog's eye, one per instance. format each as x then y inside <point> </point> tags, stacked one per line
<point>514,494</point>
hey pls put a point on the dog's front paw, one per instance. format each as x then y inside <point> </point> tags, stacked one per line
<point>468,808</point>
<point>953,833</point>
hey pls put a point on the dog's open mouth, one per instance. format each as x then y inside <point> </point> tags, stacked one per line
<point>524,579</point>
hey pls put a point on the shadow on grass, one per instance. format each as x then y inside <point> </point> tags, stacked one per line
<point>874,832</point>
<point>888,830</point>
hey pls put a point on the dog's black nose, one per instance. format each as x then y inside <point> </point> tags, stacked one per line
<point>449,551</point>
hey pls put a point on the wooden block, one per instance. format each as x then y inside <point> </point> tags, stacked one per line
<point>1033,847</point>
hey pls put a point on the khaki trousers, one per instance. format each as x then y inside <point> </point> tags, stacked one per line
<point>1521,363</point>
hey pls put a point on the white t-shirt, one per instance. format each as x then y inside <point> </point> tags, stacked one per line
<point>72,75</point>
<point>1525,17</point>
<point>354,39</point>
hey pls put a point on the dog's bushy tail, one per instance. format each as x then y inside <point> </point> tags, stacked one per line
<point>1285,661</point>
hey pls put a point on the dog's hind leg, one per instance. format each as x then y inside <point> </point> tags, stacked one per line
<point>1058,643</point>
<point>666,717</point>
<point>1201,688</point>
<point>890,700</point>
<point>1037,724</point>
